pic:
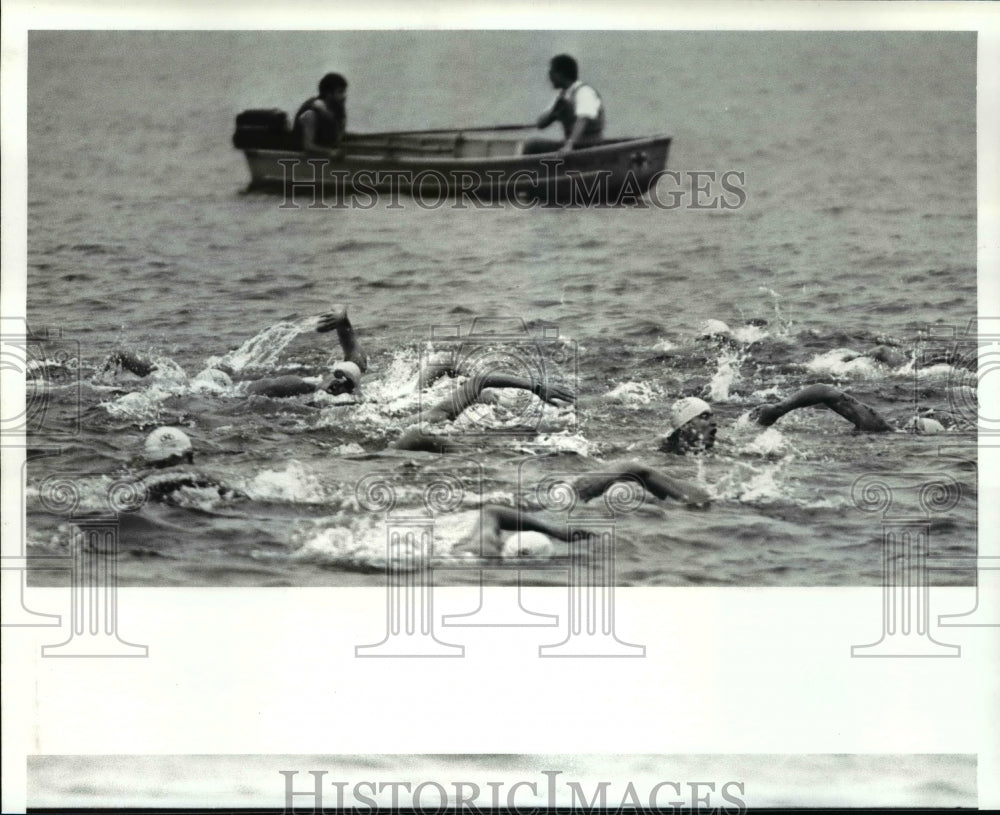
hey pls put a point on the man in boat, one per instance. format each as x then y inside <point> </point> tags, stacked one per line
<point>320,122</point>
<point>692,429</point>
<point>577,107</point>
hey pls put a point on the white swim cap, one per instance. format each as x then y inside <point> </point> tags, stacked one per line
<point>350,370</point>
<point>920,424</point>
<point>714,328</point>
<point>164,443</point>
<point>527,544</point>
<point>213,377</point>
<point>686,409</point>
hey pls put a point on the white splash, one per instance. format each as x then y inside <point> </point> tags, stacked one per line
<point>262,350</point>
<point>749,334</point>
<point>727,374</point>
<point>635,394</point>
<point>768,444</point>
<point>843,363</point>
<point>294,484</point>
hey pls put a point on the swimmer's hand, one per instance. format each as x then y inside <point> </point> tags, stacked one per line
<point>332,320</point>
<point>554,393</point>
<point>766,415</point>
<point>127,361</point>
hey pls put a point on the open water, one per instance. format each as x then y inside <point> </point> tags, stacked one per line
<point>858,230</point>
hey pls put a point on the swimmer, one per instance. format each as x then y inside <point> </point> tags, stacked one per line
<point>693,429</point>
<point>497,520</point>
<point>474,390</point>
<point>165,450</point>
<point>345,377</point>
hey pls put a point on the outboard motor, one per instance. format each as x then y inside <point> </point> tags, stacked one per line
<point>263,130</point>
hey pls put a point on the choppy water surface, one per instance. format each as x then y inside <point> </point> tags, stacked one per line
<point>858,231</point>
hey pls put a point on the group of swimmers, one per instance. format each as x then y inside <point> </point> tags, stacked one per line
<point>691,425</point>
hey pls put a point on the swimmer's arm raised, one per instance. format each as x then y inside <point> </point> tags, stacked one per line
<point>863,416</point>
<point>657,483</point>
<point>336,320</point>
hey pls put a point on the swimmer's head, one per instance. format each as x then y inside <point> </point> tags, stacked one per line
<point>714,329</point>
<point>527,544</point>
<point>167,446</point>
<point>692,426</point>
<point>212,379</point>
<point>921,424</point>
<point>345,378</point>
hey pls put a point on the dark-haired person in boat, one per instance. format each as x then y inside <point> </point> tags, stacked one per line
<point>692,429</point>
<point>321,120</point>
<point>577,107</point>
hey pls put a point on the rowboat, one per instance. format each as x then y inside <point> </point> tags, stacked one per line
<point>478,166</point>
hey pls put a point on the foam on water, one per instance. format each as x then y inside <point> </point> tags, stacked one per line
<point>360,542</point>
<point>727,374</point>
<point>294,484</point>
<point>843,363</point>
<point>143,407</point>
<point>767,445</point>
<point>749,334</point>
<point>635,394</point>
<point>750,484</point>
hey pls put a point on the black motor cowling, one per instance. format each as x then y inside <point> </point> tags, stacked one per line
<point>263,130</point>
